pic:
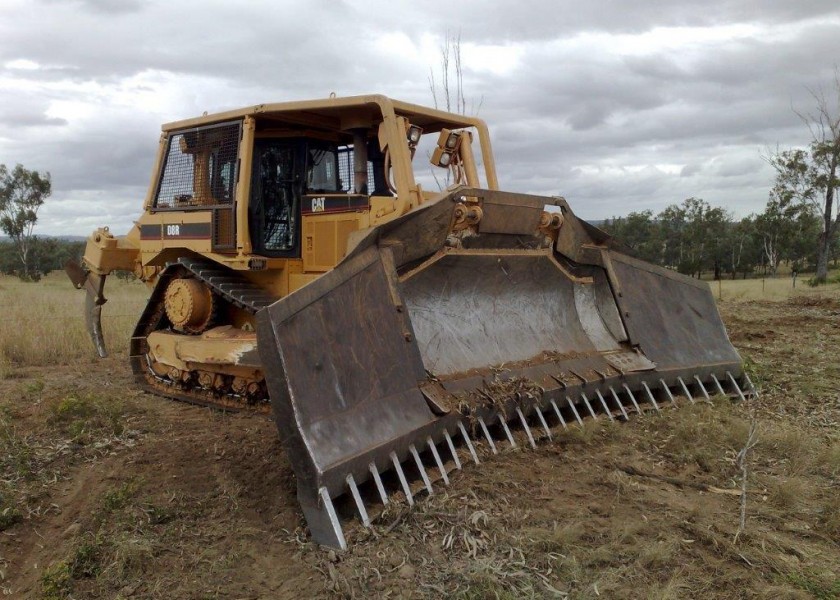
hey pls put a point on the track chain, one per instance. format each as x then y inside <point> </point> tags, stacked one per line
<point>228,285</point>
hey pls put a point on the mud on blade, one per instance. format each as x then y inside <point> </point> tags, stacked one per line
<point>475,309</point>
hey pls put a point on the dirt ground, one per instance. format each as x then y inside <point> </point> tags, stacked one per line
<point>106,492</point>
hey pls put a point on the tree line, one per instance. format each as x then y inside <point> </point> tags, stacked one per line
<point>695,237</point>
<point>45,254</point>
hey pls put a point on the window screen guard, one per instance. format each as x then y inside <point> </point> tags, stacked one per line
<point>200,172</point>
<point>200,168</point>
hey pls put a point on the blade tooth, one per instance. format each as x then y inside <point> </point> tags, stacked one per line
<point>753,389</point>
<point>737,387</point>
<point>433,448</point>
<point>527,429</point>
<point>378,480</point>
<point>650,396</point>
<point>336,524</point>
<point>486,431</point>
<point>618,402</point>
<point>468,442</point>
<point>559,414</point>
<point>401,475</point>
<point>574,410</point>
<point>423,473</point>
<point>685,389</point>
<point>452,451</point>
<point>719,386</point>
<point>702,388</point>
<point>632,398</point>
<point>507,432</point>
<point>588,406</point>
<point>668,391</point>
<point>354,490</point>
<point>604,404</point>
<point>543,422</point>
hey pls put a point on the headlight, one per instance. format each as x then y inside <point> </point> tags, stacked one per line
<point>441,157</point>
<point>449,139</point>
<point>413,134</point>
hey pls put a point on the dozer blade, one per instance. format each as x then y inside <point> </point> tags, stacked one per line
<point>418,339</point>
<point>94,286</point>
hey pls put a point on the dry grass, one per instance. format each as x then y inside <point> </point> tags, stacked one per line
<point>43,323</point>
<point>769,288</point>
<point>787,493</point>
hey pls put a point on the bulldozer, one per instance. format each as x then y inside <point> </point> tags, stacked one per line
<point>298,268</point>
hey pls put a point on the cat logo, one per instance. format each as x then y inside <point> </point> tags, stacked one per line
<point>318,204</point>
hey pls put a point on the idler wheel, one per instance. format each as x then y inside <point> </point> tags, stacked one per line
<point>189,305</point>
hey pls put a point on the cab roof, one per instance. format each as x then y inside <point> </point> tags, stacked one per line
<point>335,114</point>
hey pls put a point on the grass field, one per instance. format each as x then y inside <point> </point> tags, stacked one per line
<point>43,323</point>
<point>107,492</point>
<point>769,288</point>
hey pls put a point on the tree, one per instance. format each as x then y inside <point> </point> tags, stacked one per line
<point>22,192</point>
<point>714,230</point>
<point>639,230</point>
<point>695,237</point>
<point>774,228</point>
<point>812,176</point>
<point>450,51</point>
<point>448,92</point>
<point>45,255</point>
<point>672,223</point>
<point>744,253</point>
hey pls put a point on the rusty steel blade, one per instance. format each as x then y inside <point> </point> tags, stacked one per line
<point>411,337</point>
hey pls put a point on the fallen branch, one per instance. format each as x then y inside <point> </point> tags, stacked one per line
<point>396,522</point>
<point>679,482</point>
<point>741,461</point>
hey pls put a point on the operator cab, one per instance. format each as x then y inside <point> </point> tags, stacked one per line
<point>316,171</point>
<point>292,177</point>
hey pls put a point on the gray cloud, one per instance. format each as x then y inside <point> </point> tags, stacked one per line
<point>13,117</point>
<point>99,6</point>
<point>600,102</point>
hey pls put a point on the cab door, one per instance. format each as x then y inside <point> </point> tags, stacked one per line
<point>276,189</point>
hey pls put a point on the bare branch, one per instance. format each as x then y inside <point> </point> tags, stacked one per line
<point>741,462</point>
<point>432,86</point>
<point>460,101</point>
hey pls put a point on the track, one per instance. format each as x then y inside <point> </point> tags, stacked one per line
<point>226,285</point>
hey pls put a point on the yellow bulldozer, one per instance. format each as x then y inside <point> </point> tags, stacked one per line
<point>297,267</point>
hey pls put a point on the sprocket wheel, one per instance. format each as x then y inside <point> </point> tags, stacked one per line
<point>189,305</point>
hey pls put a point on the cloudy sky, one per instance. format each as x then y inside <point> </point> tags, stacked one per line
<point>617,105</point>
